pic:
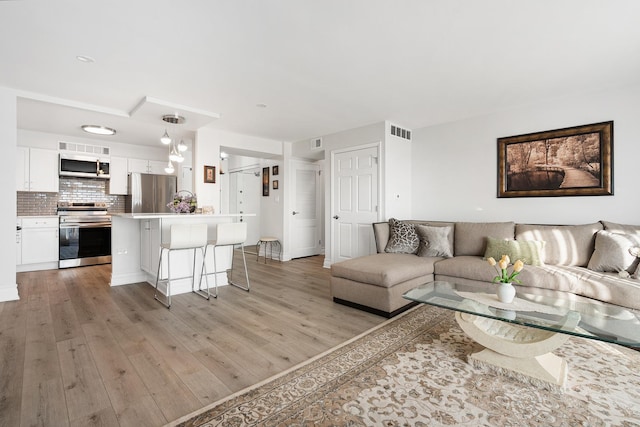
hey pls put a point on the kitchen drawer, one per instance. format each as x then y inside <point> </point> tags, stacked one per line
<point>39,222</point>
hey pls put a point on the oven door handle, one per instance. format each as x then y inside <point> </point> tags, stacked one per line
<point>85,225</point>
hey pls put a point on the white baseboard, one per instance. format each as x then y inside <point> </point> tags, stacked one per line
<point>128,278</point>
<point>9,293</point>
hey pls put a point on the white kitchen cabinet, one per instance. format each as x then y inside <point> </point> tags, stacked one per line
<point>36,170</point>
<point>39,240</point>
<point>149,245</point>
<point>148,166</point>
<point>118,169</point>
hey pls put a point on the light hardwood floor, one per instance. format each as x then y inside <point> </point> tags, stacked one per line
<point>76,352</point>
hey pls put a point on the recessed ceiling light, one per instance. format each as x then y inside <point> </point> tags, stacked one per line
<point>98,130</point>
<point>261,105</point>
<point>83,58</point>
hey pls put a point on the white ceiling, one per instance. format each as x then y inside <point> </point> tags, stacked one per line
<point>319,66</point>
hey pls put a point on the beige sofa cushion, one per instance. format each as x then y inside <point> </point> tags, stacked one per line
<point>470,237</point>
<point>384,269</point>
<point>614,227</point>
<point>564,244</point>
<point>608,287</point>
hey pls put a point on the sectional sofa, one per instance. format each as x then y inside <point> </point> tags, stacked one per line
<point>595,260</point>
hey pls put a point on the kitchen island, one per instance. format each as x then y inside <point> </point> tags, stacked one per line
<point>135,249</point>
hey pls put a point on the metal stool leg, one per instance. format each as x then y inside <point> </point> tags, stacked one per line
<point>246,272</point>
<point>203,272</point>
<point>168,280</point>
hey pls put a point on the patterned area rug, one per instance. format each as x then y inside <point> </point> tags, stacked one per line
<point>412,371</point>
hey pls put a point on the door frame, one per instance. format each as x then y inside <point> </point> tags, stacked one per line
<point>329,225</point>
<point>293,165</point>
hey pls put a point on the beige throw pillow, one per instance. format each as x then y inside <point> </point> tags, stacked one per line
<point>434,241</point>
<point>528,251</point>
<point>612,252</point>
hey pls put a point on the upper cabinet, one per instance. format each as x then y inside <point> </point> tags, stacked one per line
<point>36,170</point>
<point>147,166</point>
<point>118,171</point>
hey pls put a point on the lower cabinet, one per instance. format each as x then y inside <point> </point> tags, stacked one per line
<point>149,245</point>
<point>39,243</point>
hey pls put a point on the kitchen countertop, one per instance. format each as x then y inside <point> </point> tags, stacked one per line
<point>172,215</point>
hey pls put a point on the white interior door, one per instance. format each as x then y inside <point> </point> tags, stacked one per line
<point>354,202</point>
<point>306,214</point>
<point>244,197</point>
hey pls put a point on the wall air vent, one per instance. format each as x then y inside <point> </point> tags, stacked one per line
<point>316,143</point>
<point>400,133</point>
<point>73,147</point>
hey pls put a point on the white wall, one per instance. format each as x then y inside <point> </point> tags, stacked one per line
<point>397,176</point>
<point>455,164</point>
<point>8,138</point>
<point>207,152</point>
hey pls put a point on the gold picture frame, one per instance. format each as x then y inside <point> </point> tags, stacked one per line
<point>574,161</point>
<point>210,174</point>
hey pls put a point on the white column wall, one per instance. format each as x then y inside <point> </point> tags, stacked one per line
<point>8,138</point>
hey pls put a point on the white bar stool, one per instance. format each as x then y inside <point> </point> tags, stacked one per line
<point>227,234</point>
<point>181,237</point>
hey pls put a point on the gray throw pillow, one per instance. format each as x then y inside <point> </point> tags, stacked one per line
<point>402,238</point>
<point>612,252</point>
<point>434,241</point>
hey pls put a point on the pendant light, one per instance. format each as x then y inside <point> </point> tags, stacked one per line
<point>182,146</point>
<point>175,156</point>
<point>169,168</point>
<point>165,139</point>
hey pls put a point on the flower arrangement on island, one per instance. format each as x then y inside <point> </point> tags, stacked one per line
<point>183,203</point>
<point>504,276</point>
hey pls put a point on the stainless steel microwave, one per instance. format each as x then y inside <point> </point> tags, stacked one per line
<point>84,166</point>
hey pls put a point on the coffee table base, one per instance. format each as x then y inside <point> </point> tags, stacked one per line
<point>517,351</point>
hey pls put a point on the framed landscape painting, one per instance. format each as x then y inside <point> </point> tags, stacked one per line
<point>575,161</point>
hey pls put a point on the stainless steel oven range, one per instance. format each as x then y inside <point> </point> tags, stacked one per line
<point>85,234</point>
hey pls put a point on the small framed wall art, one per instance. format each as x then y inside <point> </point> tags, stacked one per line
<point>209,174</point>
<point>275,170</point>
<point>275,184</point>
<point>265,181</point>
<point>575,161</point>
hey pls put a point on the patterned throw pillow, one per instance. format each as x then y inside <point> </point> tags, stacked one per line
<point>528,251</point>
<point>434,241</point>
<point>403,238</point>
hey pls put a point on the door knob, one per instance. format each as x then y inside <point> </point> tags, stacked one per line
<point>336,217</point>
<point>295,213</point>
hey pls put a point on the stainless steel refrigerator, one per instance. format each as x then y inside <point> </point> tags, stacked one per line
<point>149,193</point>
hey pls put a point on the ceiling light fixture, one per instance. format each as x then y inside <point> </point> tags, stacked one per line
<point>169,168</point>
<point>174,119</point>
<point>165,139</point>
<point>98,130</point>
<point>175,152</point>
<point>85,59</point>
<point>175,156</point>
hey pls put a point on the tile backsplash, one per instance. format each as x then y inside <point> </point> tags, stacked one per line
<point>70,190</point>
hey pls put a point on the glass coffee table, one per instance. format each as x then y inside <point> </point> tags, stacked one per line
<point>518,338</point>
